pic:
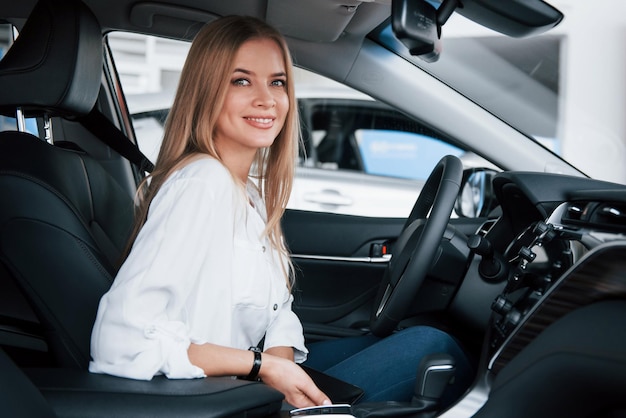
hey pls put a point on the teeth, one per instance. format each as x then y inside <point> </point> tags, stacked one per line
<point>260,120</point>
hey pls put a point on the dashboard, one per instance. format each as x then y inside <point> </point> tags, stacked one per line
<point>558,246</point>
<point>568,253</point>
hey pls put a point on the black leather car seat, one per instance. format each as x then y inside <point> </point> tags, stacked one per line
<point>63,225</point>
<point>64,222</point>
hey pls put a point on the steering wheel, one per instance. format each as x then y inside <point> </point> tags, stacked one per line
<point>415,249</point>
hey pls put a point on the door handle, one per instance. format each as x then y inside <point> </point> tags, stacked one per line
<point>328,197</point>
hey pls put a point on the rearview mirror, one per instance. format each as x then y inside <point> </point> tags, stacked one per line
<point>414,23</point>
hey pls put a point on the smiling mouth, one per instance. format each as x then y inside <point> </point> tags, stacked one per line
<point>260,120</point>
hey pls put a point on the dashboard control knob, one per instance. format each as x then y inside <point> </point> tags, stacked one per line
<point>527,254</point>
<point>540,228</point>
<point>501,305</point>
<point>480,245</point>
<point>492,267</point>
<point>512,319</point>
<point>544,232</point>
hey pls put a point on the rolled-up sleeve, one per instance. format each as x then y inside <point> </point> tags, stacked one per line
<point>142,326</point>
<point>286,331</point>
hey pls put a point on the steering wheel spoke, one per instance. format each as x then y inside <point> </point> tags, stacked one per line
<point>385,299</point>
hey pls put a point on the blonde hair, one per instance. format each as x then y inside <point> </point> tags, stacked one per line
<point>191,122</point>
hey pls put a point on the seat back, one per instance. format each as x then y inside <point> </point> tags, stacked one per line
<point>64,220</point>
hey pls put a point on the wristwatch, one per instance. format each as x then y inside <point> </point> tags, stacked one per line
<point>256,366</point>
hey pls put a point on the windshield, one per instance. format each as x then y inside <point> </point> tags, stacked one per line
<point>563,88</point>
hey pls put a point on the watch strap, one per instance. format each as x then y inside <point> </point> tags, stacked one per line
<point>256,365</point>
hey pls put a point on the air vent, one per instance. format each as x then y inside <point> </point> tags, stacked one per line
<point>610,216</point>
<point>575,212</point>
<point>606,216</point>
<point>485,227</point>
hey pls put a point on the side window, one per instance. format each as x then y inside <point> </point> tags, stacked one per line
<point>7,123</point>
<point>399,153</point>
<point>363,157</point>
<point>149,68</point>
<point>366,136</point>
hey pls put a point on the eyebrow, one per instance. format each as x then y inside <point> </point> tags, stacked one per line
<point>242,70</point>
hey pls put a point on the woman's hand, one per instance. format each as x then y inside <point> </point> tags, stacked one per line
<point>278,370</point>
<point>287,377</point>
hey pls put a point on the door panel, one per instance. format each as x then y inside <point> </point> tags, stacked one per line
<point>329,234</point>
<point>334,298</point>
<point>337,276</point>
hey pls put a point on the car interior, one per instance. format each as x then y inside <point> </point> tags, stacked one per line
<point>529,277</point>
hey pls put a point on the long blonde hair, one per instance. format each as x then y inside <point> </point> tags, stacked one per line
<point>191,122</point>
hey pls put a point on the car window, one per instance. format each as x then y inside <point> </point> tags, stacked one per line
<point>8,34</point>
<point>359,156</point>
<point>369,137</point>
<point>399,153</point>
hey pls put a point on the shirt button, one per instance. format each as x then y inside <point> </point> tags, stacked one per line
<point>263,248</point>
<point>275,306</point>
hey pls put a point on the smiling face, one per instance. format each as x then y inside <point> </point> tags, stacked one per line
<point>256,103</point>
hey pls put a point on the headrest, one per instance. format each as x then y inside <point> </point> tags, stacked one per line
<point>55,65</point>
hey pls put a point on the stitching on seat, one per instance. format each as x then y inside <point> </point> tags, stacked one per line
<point>88,185</point>
<point>87,250</point>
<point>80,242</point>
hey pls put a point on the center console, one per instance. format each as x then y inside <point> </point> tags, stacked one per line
<point>573,259</point>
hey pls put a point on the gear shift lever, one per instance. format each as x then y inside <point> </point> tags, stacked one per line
<point>434,374</point>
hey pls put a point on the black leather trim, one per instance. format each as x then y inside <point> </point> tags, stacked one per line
<point>80,393</point>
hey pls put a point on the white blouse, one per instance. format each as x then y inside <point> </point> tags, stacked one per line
<point>199,271</point>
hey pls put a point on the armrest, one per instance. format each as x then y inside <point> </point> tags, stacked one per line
<point>73,392</point>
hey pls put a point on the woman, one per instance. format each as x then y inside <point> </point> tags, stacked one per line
<point>208,274</point>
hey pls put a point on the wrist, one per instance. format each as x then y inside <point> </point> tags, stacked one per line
<point>271,365</point>
<point>256,365</point>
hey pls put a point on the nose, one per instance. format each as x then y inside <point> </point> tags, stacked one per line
<point>264,97</point>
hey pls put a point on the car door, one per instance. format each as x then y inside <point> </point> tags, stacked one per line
<point>363,170</point>
<point>340,261</point>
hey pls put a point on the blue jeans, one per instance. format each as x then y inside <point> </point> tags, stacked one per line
<point>385,368</point>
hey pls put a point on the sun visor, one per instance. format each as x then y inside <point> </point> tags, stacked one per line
<point>170,20</point>
<point>317,21</point>
<point>516,18</point>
